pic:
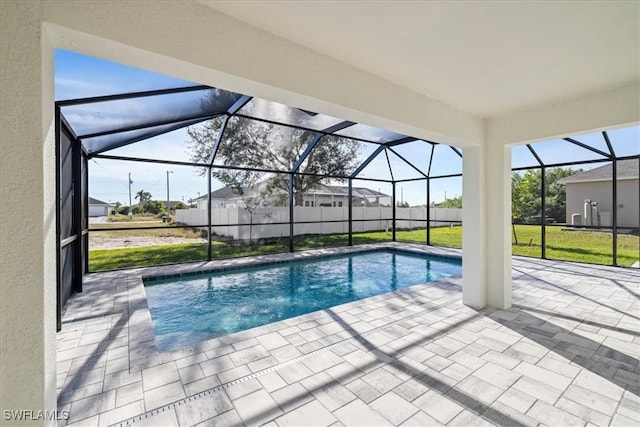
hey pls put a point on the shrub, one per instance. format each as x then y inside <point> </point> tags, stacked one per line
<point>154,207</point>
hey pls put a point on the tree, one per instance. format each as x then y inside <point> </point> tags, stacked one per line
<point>556,203</point>
<point>259,145</point>
<point>526,194</point>
<point>244,183</point>
<point>154,207</point>
<point>455,203</point>
<point>180,205</point>
<point>143,197</point>
<point>402,204</point>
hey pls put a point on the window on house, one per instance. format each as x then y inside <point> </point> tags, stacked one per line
<point>340,204</point>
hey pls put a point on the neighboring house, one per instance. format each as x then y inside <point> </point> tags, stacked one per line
<point>172,203</point>
<point>98,208</point>
<point>596,185</point>
<point>338,196</point>
<point>323,196</point>
<point>221,198</point>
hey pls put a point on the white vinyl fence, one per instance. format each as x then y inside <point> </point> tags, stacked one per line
<point>316,220</point>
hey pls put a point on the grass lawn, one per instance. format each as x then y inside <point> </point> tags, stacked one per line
<point>589,247</point>
<point>166,230</point>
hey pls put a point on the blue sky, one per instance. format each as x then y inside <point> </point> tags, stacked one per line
<point>79,76</point>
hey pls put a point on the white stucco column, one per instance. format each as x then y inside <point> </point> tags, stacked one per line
<point>486,217</point>
<point>27,212</point>
<point>498,225</point>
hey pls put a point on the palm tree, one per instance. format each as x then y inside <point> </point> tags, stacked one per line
<point>143,197</point>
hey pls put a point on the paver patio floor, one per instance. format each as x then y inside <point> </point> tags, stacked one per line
<point>566,354</point>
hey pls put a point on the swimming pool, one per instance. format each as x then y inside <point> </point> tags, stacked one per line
<point>195,308</point>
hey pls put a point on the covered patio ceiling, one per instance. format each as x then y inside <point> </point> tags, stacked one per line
<point>489,58</point>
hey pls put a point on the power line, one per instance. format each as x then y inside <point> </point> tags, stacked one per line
<point>111,174</point>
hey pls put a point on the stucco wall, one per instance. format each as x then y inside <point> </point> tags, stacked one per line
<point>601,192</point>
<point>27,212</point>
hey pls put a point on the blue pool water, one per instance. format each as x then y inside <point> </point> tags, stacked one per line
<point>191,309</point>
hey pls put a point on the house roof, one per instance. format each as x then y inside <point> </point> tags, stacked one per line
<point>93,201</point>
<point>172,203</point>
<point>343,191</point>
<point>337,190</point>
<point>627,169</point>
<point>221,193</point>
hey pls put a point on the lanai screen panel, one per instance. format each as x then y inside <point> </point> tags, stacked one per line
<point>145,115</point>
<point>248,143</point>
<point>417,152</point>
<point>275,112</point>
<point>369,133</point>
<point>84,193</point>
<point>353,152</point>
<point>559,151</point>
<point>169,146</point>
<point>107,143</point>
<point>67,216</point>
<point>445,161</point>
<point>378,168</point>
<point>594,140</point>
<point>625,141</point>
<point>402,168</point>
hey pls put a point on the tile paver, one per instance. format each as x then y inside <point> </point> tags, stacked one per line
<point>567,353</point>
<point>363,390</point>
<point>159,375</point>
<point>312,413</point>
<point>327,391</point>
<point>551,415</point>
<point>517,400</point>
<point>581,411</point>
<point>421,419</point>
<point>200,410</point>
<point>201,385</point>
<point>469,419</point>
<point>226,419</point>
<point>438,406</point>
<point>243,388</point>
<point>120,413</point>
<point>92,405</point>
<point>128,393</point>
<point>257,408</point>
<point>382,380</point>
<point>291,396</point>
<point>393,407</point>
<point>357,413</point>
<point>272,382</point>
<point>163,395</point>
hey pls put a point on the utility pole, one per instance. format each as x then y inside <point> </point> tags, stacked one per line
<point>130,182</point>
<point>168,209</point>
